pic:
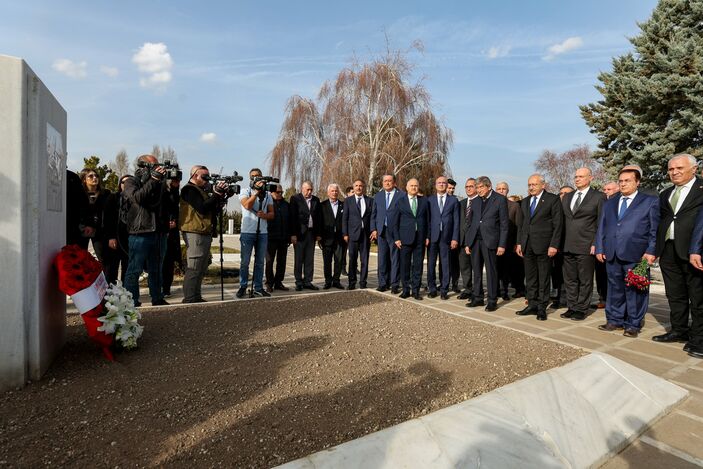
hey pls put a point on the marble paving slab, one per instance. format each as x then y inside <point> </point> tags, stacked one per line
<point>576,416</point>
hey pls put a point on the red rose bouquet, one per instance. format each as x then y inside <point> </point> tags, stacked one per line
<point>81,276</point>
<point>639,276</point>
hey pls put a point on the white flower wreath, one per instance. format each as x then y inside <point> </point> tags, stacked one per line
<point>122,317</point>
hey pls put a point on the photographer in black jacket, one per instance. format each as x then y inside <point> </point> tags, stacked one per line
<point>147,217</point>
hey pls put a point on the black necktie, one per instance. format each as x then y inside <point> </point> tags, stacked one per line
<point>578,202</point>
<point>468,211</point>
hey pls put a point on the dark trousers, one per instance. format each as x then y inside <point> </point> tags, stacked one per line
<point>511,270</point>
<point>557,275</point>
<point>684,291</point>
<point>173,257</point>
<point>115,264</point>
<point>304,267</point>
<point>332,261</point>
<point>483,255</point>
<point>438,249</point>
<point>388,261</point>
<point>454,269</point>
<point>625,306</point>
<point>467,270</point>
<point>538,267</point>
<point>276,251</point>
<point>601,282</point>
<point>358,252</point>
<point>411,259</point>
<point>578,280</point>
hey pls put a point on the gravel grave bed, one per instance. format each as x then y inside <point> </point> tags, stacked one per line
<point>257,383</point>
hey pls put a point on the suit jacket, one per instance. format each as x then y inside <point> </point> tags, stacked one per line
<point>544,229</point>
<point>633,236</point>
<point>353,224</point>
<point>489,217</point>
<point>331,225</point>
<point>696,246</point>
<point>299,215</point>
<point>448,220</point>
<point>463,222</point>
<point>379,213</point>
<point>409,228</point>
<point>580,227</point>
<point>514,222</point>
<point>685,218</point>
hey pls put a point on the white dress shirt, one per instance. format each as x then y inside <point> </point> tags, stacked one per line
<point>583,193</point>
<point>685,189</point>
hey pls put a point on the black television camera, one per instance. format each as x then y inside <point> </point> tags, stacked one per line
<point>270,183</point>
<point>172,169</point>
<point>231,181</point>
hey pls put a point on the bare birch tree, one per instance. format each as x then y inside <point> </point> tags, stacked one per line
<point>368,122</point>
<point>559,169</point>
<point>121,164</point>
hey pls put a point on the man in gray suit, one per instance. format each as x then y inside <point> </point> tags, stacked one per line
<point>465,259</point>
<point>581,210</point>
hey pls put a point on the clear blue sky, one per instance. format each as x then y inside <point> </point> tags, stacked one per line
<point>506,76</point>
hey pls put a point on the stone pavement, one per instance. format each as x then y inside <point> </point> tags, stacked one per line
<point>674,441</point>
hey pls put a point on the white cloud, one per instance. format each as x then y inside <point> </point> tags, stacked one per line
<point>154,61</point>
<point>498,51</point>
<point>208,137</point>
<point>568,45</point>
<point>109,71</point>
<point>70,68</point>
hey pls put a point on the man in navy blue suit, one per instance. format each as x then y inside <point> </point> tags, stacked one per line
<point>409,227</point>
<point>356,228</point>
<point>486,239</point>
<point>444,236</point>
<point>627,233</point>
<point>384,205</point>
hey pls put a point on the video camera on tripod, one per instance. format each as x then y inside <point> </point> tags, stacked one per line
<point>270,183</point>
<point>173,171</point>
<point>231,182</point>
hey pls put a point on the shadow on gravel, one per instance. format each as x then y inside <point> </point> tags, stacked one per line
<point>299,425</point>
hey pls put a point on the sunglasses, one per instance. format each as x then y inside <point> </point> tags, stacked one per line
<point>92,176</point>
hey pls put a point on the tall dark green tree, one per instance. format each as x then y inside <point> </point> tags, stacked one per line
<point>652,106</point>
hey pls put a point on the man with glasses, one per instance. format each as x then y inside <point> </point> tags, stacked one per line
<point>279,235</point>
<point>305,222</point>
<point>465,209</point>
<point>511,269</point>
<point>384,205</point>
<point>199,205</point>
<point>444,236</point>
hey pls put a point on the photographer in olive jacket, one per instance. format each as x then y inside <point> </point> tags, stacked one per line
<point>145,210</point>
<point>200,203</point>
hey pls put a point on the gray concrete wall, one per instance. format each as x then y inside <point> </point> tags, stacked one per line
<point>32,223</point>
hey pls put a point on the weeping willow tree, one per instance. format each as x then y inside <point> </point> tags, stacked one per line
<point>368,122</point>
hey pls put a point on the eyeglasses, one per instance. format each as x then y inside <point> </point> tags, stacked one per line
<point>92,176</point>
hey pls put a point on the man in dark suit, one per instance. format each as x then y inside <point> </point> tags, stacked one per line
<point>332,243</point>
<point>384,204</point>
<point>279,233</point>
<point>305,223</point>
<point>581,214</point>
<point>356,228</point>
<point>511,269</point>
<point>627,233</point>
<point>444,236</point>
<point>610,189</point>
<point>467,271</point>
<point>538,239</point>
<point>486,239</point>
<point>409,227</point>
<point>679,206</point>
<point>455,271</point>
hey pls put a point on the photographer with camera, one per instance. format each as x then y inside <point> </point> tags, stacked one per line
<point>147,219</point>
<point>257,210</point>
<point>200,204</point>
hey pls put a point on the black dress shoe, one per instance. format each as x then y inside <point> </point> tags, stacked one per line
<point>432,294</point>
<point>555,305</point>
<point>417,296</point>
<point>160,302</point>
<point>490,307</point>
<point>519,294</point>
<point>609,327</point>
<point>686,346</point>
<point>351,287</point>
<point>475,303</point>
<point>395,290</point>
<point>310,286</point>
<point>696,351</point>
<point>362,286</point>
<point>404,295</point>
<point>327,286</point>
<point>280,286</point>
<point>381,289</point>
<point>631,333</point>
<point>541,315</point>
<point>671,337</point>
<point>338,285</point>
<point>456,289</point>
<point>444,296</point>
<point>464,295</point>
<point>567,314</point>
<point>578,316</point>
<point>298,288</point>
<point>506,297</point>
<point>527,311</point>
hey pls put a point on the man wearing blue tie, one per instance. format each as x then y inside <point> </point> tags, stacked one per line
<point>627,233</point>
<point>385,203</point>
<point>444,236</point>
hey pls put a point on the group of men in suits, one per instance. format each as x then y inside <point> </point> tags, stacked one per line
<point>486,231</point>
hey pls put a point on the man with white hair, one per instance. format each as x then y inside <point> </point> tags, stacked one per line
<point>679,206</point>
<point>332,242</point>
